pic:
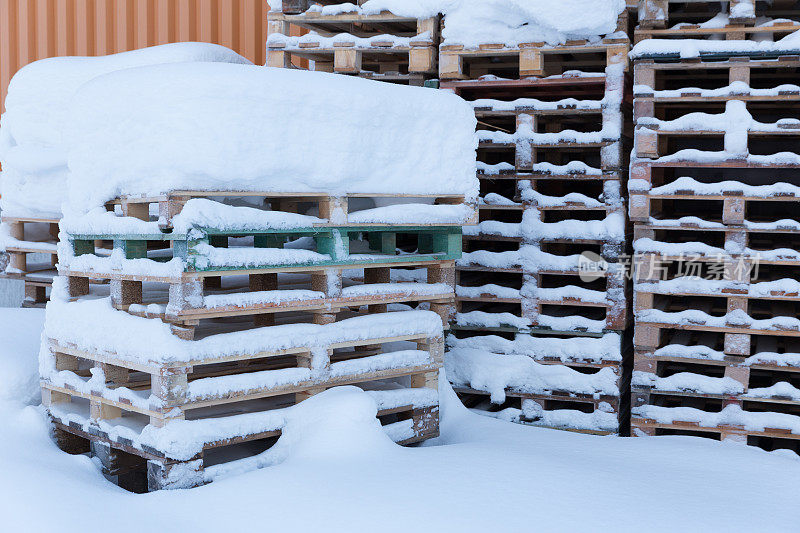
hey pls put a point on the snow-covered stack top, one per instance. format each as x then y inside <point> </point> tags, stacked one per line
<point>37,107</point>
<point>694,48</point>
<point>511,22</point>
<point>214,126</point>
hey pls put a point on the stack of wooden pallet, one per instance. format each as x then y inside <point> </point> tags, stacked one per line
<point>221,315</point>
<point>380,46</point>
<point>713,192</point>
<point>541,290</point>
<point>28,253</point>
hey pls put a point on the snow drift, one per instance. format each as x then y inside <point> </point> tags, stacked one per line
<point>236,127</point>
<point>31,137</point>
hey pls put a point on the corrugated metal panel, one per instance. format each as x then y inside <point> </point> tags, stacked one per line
<point>35,29</point>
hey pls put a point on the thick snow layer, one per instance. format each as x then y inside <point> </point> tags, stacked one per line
<point>496,373</point>
<point>413,213</point>
<point>20,330</point>
<point>331,458</point>
<point>606,348</point>
<point>688,382</point>
<point>143,339</point>
<point>32,151</point>
<point>730,415</point>
<point>239,127</point>
<point>203,213</point>
<point>692,48</point>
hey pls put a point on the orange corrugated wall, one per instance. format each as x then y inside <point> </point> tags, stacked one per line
<point>35,29</point>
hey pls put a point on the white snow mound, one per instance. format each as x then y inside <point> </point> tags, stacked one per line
<point>240,127</point>
<point>32,154</point>
<point>19,354</point>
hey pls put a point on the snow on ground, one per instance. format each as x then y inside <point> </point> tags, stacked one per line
<point>341,473</point>
<point>20,332</point>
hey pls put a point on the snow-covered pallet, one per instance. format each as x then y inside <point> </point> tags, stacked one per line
<point>171,411</point>
<point>457,62</point>
<point>332,210</point>
<point>712,75</point>
<point>384,45</point>
<point>707,241</point>
<point>364,26</point>
<point>693,382</point>
<point>194,304</point>
<point>656,139</point>
<point>547,300</point>
<point>301,6</point>
<point>777,30</point>
<point>564,383</point>
<point>730,202</point>
<point>691,16</point>
<point>20,238</point>
<point>544,201</point>
<point>715,420</point>
<point>656,186</point>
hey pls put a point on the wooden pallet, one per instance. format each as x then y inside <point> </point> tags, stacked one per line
<point>653,142</point>
<point>354,23</point>
<point>548,401</point>
<point>644,427</point>
<point>383,246</point>
<point>140,467</point>
<point>349,58</point>
<point>654,14</point>
<point>650,174</point>
<point>530,59</point>
<point>301,6</point>
<point>515,407</point>
<point>533,303</point>
<point>335,210</point>
<point>649,365</point>
<point>144,393</point>
<point>545,89</point>
<point>170,383</point>
<point>185,302</point>
<point>728,32</point>
<point>713,72</point>
<point>730,207</point>
<point>741,244</point>
<point>722,209</point>
<point>738,339</point>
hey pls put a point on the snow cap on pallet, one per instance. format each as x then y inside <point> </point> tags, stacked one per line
<point>693,48</point>
<point>235,127</point>
<point>32,152</point>
<point>511,22</point>
<point>474,22</point>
